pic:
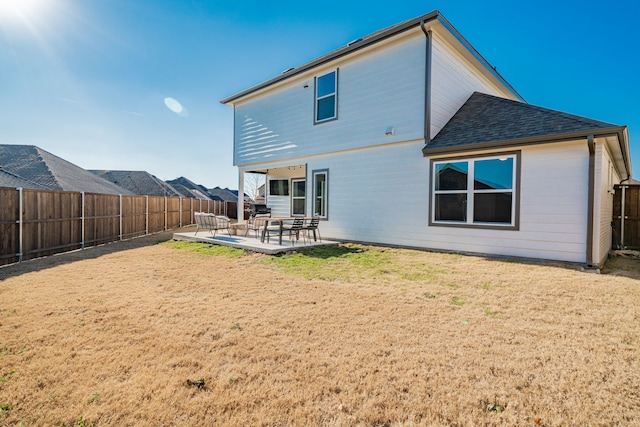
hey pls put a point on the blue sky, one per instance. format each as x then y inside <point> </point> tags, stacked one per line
<point>88,80</point>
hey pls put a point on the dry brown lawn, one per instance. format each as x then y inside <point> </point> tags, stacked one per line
<point>139,334</point>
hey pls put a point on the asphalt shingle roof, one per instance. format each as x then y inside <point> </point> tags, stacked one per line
<point>190,188</point>
<point>139,182</point>
<point>223,194</point>
<point>8,179</point>
<point>485,119</point>
<point>42,170</point>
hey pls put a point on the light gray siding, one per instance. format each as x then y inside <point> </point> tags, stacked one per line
<point>453,81</point>
<point>381,195</point>
<point>378,88</point>
<point>606,178</point>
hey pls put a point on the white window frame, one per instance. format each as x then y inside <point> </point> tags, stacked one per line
<point>470,191</point>
<point>324,194</point>
<point>317,98</point>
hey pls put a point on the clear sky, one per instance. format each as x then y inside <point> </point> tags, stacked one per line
<point>136,84</point>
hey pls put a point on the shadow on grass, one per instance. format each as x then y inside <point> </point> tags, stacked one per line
<point>91,252</point>
<point>328,252</point>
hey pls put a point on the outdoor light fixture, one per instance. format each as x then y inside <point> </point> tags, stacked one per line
<point>390,131</point>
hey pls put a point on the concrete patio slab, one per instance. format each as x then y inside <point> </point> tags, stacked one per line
<point>250,243</point>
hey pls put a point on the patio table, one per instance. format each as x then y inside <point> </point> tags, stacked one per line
<point>279,220</point>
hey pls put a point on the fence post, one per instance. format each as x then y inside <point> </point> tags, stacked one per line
<point>120,224</point>
<point>82,222</point>
<point>180,199</point>
<point>20,223</point>
<point>165,213</point>
<point>146,225</point>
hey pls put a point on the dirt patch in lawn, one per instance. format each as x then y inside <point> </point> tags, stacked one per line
<point>138,333</point>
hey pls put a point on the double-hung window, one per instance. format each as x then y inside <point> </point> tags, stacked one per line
<point>320,193</point>
<point>475,191</point>
<point>326,107</point>
<point>298,196</point>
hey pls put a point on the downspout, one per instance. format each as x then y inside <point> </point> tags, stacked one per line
<point>591,199</point>
<point>427,84</point>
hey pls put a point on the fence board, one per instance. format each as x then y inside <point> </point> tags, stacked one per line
<point>9,214</point>
<point>156,214</point>
<point>52,221</point>
<point>631,238</point>
<point>134,216</point>
<point>173,212</point>
<point>102,218</point>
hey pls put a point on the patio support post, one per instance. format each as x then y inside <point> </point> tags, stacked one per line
<point>240,207</point>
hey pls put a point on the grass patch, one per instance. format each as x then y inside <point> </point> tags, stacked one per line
<point>491,313</point>
<point>206,249</point>
<point>7,376</point>
<point>352,262</point>
<point>95,397</point>
<point>457,301</point>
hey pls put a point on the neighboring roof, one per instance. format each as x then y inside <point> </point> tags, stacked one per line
<point>190,188</point>
<point>8,179</point>
<point>223,194</point>
<point>485,120</point>
<point>375,38</point>
<point>39,169</point>
<point>139,182</point>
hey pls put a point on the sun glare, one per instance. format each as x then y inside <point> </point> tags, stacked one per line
<point>20,8</point>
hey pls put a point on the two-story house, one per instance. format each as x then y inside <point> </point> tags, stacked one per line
<point>410,137</point>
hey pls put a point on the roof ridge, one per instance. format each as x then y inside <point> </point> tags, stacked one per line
<point>47,166</point>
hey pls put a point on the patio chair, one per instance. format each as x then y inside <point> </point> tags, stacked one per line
<point>295,229</point>
<point>312,226</point>
<point>256,223</point>
<point>272,228</point>
<point>212,222</point>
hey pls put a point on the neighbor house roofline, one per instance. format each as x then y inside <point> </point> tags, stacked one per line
<point>371,40</point>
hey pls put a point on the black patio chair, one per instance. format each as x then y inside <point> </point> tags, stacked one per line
<point>295,229</point>
<point>312,226</point>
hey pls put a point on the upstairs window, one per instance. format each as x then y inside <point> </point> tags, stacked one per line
<point>326,107</point>
<point>475,192</point>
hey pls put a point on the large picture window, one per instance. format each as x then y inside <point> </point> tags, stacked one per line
<point>476,191</point>
<point>320,193</point>
<point>326,107</point>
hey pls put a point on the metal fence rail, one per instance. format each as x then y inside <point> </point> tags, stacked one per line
<point>36,223</point>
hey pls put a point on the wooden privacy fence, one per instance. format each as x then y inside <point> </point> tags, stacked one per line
<point>36,223</point>
<point>626,217</point>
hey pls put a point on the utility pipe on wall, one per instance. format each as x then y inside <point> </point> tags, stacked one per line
<point>622,215</point>
<point>427,84</point>
<point>591,200</point>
